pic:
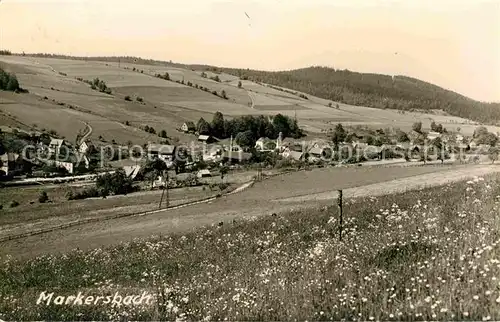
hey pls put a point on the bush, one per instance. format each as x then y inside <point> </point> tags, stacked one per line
<point>223,186</point>
<point>149,129</point>
<point>91,192</point>
<point>127,98</point>
<point>8,82</point>
<point>43,198</point>
<point>14,204</point>
<point>139,99</point>
<point>116,183</point>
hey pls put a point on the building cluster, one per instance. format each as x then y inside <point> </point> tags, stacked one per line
<point>58,153</point>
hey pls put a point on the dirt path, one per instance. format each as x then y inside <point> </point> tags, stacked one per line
<point>278,194</point>
<point>251,98</point>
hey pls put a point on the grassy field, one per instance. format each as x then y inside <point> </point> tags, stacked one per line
<point>59,209</point>
<point>30,214</point>
<point>426,255</point>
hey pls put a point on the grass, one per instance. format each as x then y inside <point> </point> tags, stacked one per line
<point>426,255</point>
<point>29,210</point>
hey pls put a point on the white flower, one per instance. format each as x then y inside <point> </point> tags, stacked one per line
<point>475,297</point>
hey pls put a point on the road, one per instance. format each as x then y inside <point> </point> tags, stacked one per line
<point>83,177</point>
<point>278,194</point>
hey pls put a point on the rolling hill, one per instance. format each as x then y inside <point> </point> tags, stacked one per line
<point>348,87</point>
<point>375,90</point>
<point>59,99</point>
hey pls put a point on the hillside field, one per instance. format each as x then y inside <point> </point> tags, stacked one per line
<point>58,101</point>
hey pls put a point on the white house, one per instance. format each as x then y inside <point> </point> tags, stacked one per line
<point>67,165</point>
<point>188,127</point>
<point>206,139</point>
<point>293,155</point>
<point>317,153</point>
<point>56,146</point>
<point>163,152</point>
<point>265,144</point>
<point>204,173</point>
<point>85,146</point>
<point>433,135</point>
<point>10,163</point>
<point>131,171</point>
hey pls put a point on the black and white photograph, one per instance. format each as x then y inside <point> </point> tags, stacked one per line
<point>249,160</point>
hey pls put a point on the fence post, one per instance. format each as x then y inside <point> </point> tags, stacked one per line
<point>166,187</point>
<point>163,190</point>
<point>340,214</point>
<point>161,199</point>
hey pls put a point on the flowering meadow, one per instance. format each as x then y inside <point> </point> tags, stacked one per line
<point>432,254</point>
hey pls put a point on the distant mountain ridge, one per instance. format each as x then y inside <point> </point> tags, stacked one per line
<point>375,90</point>
<point>354,88</point>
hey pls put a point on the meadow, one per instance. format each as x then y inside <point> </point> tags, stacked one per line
<point>432,254</point>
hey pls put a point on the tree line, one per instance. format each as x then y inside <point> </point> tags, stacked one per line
<point>248,129</point>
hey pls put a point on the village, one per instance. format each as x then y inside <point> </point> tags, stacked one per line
<point>43,155</point>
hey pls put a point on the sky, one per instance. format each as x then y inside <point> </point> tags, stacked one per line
<point>451,43</point>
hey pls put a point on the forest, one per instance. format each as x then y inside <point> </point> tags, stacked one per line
<point>374,90</point>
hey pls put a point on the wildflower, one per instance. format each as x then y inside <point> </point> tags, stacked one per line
<point>475,297</point>
<point>466,313</point>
